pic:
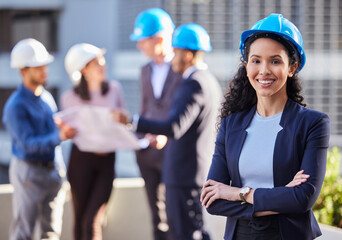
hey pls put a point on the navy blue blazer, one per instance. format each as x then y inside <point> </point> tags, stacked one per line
<point>301,144</point>
<point>190,128</point>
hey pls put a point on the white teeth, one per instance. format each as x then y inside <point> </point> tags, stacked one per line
<point>265,81</point>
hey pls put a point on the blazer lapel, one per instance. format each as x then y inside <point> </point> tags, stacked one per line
<point>236,140</point>
<point>281,153</point>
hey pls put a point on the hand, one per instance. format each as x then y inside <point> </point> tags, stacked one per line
<point>120,116</point>
<point>156,141</point>
<point>298,179</point>
<point>213,190</point>
<point>65,131</point>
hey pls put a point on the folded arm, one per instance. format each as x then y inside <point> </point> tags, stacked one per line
<point>297,196</point>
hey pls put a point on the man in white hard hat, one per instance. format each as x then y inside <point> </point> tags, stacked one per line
<point>36,169</point>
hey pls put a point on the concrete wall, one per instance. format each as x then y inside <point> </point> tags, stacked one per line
<point>128,216</point>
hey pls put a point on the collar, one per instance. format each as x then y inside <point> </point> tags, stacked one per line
<point>284,118</point>
<point>27,92</point>
<point>193,68</point>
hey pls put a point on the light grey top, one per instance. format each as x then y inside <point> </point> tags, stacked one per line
<point>256,159</point>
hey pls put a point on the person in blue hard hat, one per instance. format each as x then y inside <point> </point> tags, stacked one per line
<point>270,156</point>
<point>153,30</point>
<point>190,128</point>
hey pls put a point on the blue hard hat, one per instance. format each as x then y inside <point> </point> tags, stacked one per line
<point>191,36</point>
<point>278,25</point>
<point>149,22</point>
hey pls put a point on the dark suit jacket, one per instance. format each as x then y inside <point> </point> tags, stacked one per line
<point>155,109</point>
<point>190,128</point>
<point>301,144</point>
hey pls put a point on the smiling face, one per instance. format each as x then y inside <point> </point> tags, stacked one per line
<point>268,68</point>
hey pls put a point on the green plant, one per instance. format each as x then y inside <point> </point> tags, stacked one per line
<point>328,207</point>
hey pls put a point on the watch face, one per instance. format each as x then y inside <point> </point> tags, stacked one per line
<point>244,190</point>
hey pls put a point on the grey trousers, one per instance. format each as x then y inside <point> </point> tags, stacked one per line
<point>38,199</point>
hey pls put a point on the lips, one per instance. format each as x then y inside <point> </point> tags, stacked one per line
<point>265,81</point>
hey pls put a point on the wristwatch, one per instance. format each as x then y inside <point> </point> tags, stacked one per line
<point>243,193</point>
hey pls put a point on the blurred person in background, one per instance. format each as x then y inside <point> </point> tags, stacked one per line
<point>190,128</point>
<point>153,30</point>
<point>90,174</point>
<point>270,157</point>
<point>37,170</point>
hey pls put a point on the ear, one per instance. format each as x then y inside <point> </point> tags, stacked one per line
<point>292,69</point>
<point>23,71</point>
<point>84,70</point>
<point>159,39</point>
<point>188,55</point>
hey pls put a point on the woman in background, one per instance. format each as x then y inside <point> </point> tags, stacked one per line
<point>90,174</point>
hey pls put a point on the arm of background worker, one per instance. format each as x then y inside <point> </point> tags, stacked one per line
<point>20,128</point>
<point>185,109</point>
<point>65,131</point>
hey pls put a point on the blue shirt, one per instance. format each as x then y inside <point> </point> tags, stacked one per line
<point>256,158</point>
<point>28,119</point>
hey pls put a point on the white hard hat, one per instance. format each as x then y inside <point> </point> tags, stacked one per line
<point>78,57</point>
<point>29,53</point>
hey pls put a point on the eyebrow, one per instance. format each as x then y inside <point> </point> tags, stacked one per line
<point>274,56</point>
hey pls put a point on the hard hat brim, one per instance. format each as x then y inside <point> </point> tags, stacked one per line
<point>46,61</point>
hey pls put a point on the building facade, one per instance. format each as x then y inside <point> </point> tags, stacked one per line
<point>108,23</point>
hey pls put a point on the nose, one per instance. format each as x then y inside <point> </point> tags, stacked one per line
<point>264,69</point>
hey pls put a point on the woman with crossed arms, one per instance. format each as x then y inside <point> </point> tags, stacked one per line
<point>270,156</point>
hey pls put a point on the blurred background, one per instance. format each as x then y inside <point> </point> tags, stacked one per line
<point>59,24</point>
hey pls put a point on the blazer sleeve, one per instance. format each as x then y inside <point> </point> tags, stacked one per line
<point>301,198</point>
<point>185,109</point>
<point>219,172</point>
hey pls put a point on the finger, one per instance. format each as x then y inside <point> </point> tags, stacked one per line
<point>212,182</point>
<point>206,190</point>
<point>210,201</point>
<point>206,184</point>
<point>302,176</point>
<point>203,194</point>
<point>207,197</point>
<point>299,172</point>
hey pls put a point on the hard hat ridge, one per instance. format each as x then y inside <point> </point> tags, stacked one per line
<point>150,22</point>
<point>78,56</point>
<point>29,53</point>
<point>277,25</point>
<point>191,36</point>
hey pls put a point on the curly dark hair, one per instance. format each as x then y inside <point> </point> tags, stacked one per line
<point>240,94</point>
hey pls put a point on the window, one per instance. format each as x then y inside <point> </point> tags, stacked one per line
<point>19,24</point>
